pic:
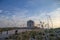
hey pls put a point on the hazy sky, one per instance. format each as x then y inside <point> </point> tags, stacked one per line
<point>17,12</point>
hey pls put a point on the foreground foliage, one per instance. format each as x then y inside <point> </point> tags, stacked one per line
<point>35,35</point>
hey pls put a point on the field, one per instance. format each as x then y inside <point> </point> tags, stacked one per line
<point>8,28</point>
<point>47,34</point>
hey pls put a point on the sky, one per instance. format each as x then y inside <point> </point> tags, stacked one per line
<point>15,13</point>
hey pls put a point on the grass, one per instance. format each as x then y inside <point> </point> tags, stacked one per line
<point>37,35</point>
<point>8,28</point>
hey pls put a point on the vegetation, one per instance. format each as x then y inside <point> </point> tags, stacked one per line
<point>36,35</point>
<point>8,28</point>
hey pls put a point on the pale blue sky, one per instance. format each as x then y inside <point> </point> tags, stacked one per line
<point>18,9</point>
<point>31,6</point>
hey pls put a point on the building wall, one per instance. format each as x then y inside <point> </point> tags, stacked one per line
<point>30,24</point>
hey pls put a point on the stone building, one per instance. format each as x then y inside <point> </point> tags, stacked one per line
<point>30,24</point>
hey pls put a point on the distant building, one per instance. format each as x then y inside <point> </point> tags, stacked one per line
<point>30,24</point>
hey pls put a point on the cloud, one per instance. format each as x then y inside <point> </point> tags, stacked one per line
<point>20,18</point>
<point>55,15</point>
<point>1,11</point>
<point>42,16</point>
<point>11,22</point>
<point>16,20</point>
